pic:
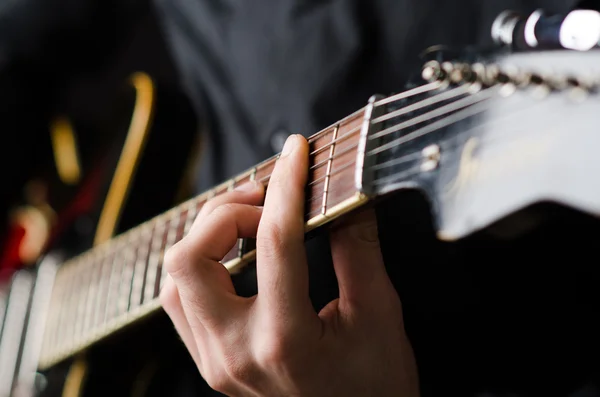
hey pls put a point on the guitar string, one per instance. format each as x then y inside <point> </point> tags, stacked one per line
<point>460,90</point>
<point>442,123</point>
<point>419,105</point>
<point>398,175</point>
<point>423,131</point>
<point>414,135</point>
<point>463,102</point>
<point>405,95</point>
<point>472,110</point>
<point>201,200</point>
<point>415,91</point>
<point>412,170</point>
<point>345,136</point>
<point>414,121</point>
<point>454,140</point>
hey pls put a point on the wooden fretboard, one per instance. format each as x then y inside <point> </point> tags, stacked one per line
<point>118,282</point>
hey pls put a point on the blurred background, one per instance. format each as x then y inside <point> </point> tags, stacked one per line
<point>66,108</point>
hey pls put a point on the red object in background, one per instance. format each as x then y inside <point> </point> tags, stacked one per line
<point>11,258</point>
<point>10,261</point>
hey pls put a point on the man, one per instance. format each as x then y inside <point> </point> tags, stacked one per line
<point>257,72</point>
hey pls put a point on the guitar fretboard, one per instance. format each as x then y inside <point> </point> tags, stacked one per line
<point>118,282</point>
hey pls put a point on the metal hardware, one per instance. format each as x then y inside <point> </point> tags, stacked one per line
<point>363,176</point>
<point>431,155</point>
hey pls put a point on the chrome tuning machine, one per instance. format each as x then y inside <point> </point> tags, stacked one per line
<point>577,30</point>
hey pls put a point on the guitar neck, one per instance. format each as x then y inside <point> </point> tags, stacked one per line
<point>118,282</point>
<point>390,144</point>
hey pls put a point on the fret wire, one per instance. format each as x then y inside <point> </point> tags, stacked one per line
<point>79,301</point>
<point>113,285</point>
<point>150,276</point>
<point>325,161</point>
<point>171,240</point>
<point>336,141</point>
<point>103,287</point>
<point>190,217</point>
<point>142,257</point>
<point>96,274</point>
<point>70,311</point>
<point>109,256</point>
<point>152,273</point>
<point>346,165</point>
<point>53,312</point>
<point>328,172</point>
<point>323,148</point>
<point>51,319</point>
<point>68,274</point>
<point>318,135</point>
<point>88,265</point>
<point>128,274</point>
<point>212,193</point>
<point>314,182</point>
<point>241,243</point>
<point>320,197</point>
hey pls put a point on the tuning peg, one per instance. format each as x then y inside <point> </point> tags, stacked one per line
<point>578,30</point>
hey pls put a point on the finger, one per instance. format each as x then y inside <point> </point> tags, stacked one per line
<point>357,259</point>
<point>282,270</point>
<point>193,263</point>
<point>171,303</point>
<point>252,193</point>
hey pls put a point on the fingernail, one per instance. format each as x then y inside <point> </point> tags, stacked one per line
<point>247,187</point>
<point>289,146</point>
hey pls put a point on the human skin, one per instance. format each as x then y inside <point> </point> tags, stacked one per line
<point>274,343</point>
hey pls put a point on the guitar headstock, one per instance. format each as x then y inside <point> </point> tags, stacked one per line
<point>484,138</point>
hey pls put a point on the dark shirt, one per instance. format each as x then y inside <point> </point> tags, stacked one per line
<point>259,70</point>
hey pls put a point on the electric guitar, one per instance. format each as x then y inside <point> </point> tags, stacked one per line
<point>482,136</point>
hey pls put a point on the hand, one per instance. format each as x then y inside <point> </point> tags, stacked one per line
<point>274,344</point>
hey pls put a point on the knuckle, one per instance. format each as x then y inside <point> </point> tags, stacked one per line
<point>271,238</point>
<point>176,260</point>
<point>168,297</point>
<point>224,210</point>
<point>273,352</point>
<point>217,378</point>
<point>238,369</point>
<point>224,199</point>
<point>279,180</point>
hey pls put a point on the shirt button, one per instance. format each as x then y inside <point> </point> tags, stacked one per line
<point>278,140</point>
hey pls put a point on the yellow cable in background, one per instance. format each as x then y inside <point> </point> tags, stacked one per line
<point>130,156</point>
<point>65,150</point>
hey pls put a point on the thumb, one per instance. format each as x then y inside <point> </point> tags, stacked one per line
<point>357,259</point>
